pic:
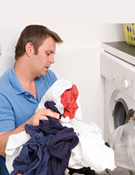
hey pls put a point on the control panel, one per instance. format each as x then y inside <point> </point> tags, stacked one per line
<point>118,73</point>
<point>122,80</point>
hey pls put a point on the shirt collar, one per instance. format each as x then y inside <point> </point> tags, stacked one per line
<point>15,82</point>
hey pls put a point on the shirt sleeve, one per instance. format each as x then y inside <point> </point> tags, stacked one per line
<point>7,120</point>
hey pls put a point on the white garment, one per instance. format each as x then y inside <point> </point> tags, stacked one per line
<point>91,150</point>
<point>13,148</point>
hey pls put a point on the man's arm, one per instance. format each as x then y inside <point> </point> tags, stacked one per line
<point>5,135</point>
<point>34,120</point>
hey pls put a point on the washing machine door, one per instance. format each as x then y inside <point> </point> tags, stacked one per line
<point>121,108</point>
<point>122,139</point>
<point>118,110</point>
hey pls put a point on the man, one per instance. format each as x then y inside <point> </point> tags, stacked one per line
<point>23,86</point>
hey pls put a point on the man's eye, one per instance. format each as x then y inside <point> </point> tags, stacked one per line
<point>48,54</point>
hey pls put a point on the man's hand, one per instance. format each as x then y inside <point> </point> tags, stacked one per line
<point>42,114</point>
<point>34,120</point>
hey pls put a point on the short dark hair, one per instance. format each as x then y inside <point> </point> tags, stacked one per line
<point>36,34</point>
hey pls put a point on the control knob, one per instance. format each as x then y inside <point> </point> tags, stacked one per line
<point>125,84</point>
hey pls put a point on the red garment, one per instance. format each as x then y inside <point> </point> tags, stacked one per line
<point>68,100</point>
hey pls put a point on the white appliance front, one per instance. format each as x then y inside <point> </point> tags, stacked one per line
<point>119,91</point>
<point>117,104</point>
<point>119,94</point>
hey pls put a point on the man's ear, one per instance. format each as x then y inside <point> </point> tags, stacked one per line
<point>29,48</point>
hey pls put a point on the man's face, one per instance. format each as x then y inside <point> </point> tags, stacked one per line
<point>45,57</point>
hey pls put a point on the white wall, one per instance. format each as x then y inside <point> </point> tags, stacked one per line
<point>78,35</point>
<point>64,12</point>
<point>77,59</point>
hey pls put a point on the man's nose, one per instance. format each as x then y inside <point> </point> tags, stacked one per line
<point>52,59</point>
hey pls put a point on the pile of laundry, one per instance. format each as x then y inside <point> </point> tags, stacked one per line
<point>58,145</point>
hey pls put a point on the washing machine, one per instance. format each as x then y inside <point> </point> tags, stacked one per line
<point>118,69</point>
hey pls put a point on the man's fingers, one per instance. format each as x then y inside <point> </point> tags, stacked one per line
<point>50,113</point>
<point>43,118</point>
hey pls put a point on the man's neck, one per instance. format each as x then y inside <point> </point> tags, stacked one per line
<point>25,77</point>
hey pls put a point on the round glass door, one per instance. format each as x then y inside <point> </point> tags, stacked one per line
<point>120,112</point>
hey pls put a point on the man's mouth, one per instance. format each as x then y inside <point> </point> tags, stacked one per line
<point>47,68</point>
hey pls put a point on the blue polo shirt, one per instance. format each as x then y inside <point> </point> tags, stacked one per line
<point>16,104</point>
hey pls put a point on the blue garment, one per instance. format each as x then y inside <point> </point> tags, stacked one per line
<point>33,158</point>
<point>61,144</point>
<point>16,104</point>
<point>51,126</point>
<point>60,148</point>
